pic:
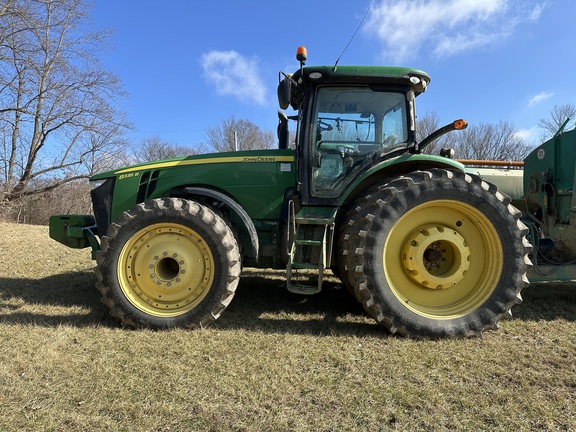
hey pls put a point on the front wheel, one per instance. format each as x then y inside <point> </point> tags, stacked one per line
<point>168,263</point>
<point>436,253</point>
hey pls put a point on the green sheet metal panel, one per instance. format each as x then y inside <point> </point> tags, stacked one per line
<point>257,179</point>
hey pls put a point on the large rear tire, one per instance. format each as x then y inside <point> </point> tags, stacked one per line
<point>436,253</point>
<point>168,263</point>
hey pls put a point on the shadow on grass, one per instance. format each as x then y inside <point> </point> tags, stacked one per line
<point>63,299</point>
<point>55,300</point>
<point>262,303</point>
<point>547,302</point>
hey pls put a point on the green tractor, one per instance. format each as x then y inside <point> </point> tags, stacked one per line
<point>428,249</point>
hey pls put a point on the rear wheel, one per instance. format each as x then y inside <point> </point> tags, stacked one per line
<point>168,263</point>
<point>436,253</point>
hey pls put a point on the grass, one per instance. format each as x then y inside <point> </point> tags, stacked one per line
<point>273,362</point>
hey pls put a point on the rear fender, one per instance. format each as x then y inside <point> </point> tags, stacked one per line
<point>391,168</point>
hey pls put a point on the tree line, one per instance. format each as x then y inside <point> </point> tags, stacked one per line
<point>60,120</point>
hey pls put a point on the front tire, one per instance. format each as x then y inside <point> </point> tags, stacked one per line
<point>168,263</point>
<point>436,253</point>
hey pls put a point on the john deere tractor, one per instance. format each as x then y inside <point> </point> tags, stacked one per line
<point>428,249</point>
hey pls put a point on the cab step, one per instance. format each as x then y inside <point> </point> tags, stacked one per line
<point>304,289</point>
<point>310,239</point>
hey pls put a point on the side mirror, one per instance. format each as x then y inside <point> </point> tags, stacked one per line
<point>284,93</point>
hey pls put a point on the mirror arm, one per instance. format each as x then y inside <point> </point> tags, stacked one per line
<point>455,125</point>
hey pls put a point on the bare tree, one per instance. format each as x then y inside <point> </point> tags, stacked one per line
<point>558,115</point>
<point>70,198</point>
<point>9,8</point>
<point>6,7</point>
<point>235,134</point>
<point>57,104</point>
<point>154,148</point>
<point>487,141</point>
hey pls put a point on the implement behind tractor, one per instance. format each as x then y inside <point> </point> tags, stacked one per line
<point>426,248</point>
<point>543,188</point>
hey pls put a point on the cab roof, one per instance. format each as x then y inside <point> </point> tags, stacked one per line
<point>415,78</point>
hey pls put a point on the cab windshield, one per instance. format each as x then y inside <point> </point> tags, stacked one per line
<point>350,127</point>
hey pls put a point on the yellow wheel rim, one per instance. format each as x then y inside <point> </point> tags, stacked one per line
<point>166,269</point>
<point>443,259</point>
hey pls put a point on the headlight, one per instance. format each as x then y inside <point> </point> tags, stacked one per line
<point>97,183</point>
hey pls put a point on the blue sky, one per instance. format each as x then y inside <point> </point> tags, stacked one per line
<point>188,65</point>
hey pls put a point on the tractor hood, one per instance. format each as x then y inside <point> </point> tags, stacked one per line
<point>209,158</point>
<point>256,180</point>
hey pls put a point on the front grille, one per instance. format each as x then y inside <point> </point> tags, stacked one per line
<point>102,205</point>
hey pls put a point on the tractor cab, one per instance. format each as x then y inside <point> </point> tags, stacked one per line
<point>349,119</point>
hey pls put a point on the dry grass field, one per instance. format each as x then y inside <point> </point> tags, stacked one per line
<point>273,362</point>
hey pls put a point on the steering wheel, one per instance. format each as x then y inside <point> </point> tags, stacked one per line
<point>389,141</point>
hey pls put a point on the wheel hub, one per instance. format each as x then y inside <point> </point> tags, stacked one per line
<point>166,269</point>
<point>436,257</point>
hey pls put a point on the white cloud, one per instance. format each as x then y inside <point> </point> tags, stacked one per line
<point>443,27</point>
<point>542,96</point>
<point>447,46</point>
<point>530,136</point>
<point>234,74</point>
<point>537,11</point>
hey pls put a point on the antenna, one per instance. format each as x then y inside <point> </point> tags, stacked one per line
<point>352,38</point>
